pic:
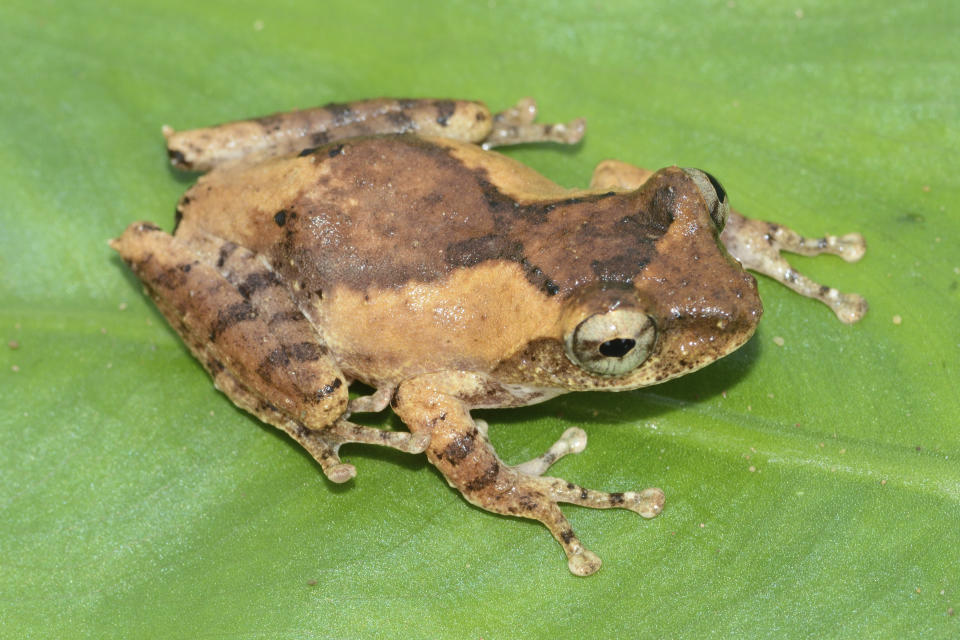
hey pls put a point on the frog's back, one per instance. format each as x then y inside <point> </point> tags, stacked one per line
<point>375,211</point>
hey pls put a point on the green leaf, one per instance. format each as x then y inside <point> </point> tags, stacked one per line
<point>813,488</point>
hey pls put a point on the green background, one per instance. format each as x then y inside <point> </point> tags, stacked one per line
<point>135,501</point>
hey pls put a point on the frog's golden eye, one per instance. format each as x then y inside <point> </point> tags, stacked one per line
<point>713,193</point>
<point>612,343</point>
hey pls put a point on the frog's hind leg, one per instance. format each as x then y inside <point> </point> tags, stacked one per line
<point>241,324</point>
<point>324,449</point>
<point>295,131</point>
<point>460,449</point>
<point>516,126</point>
<point>324,444</point>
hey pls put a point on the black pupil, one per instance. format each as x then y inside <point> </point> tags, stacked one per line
<point>617,348</point>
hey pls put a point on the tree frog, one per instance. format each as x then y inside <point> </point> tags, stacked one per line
<point>384,242</point>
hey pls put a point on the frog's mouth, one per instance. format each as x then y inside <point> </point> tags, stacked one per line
<point>691,337</point>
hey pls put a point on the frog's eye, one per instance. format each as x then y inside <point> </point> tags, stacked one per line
<point>612,343</point>
<point>713,193</point>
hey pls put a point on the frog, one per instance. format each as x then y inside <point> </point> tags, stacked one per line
<point>386,243</point>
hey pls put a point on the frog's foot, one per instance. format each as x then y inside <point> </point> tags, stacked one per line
<point>460,449</point>
<point>516,126</point>
<point>324,444</point>
<point>757,245</point>
<point>538,497</point>
<point>373,403</point>
<point>522,490</point>
<point>573,440</point>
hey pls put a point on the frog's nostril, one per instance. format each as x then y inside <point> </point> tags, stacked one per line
<point>617,348</point>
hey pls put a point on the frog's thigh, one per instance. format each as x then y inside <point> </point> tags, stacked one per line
<point>293,131</point>
<point>614,174</point>
<point>757,245</point>
<point>460,449</point>
<point>240,323</point>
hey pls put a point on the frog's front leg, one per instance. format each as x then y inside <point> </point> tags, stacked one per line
<point>240,323</point>
<point>460,449</point>
<point>516,126</point>
<point>758,244</point>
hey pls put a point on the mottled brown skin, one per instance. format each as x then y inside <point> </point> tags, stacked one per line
<point>443,275</point>
<point>293,131</point>
<point>365,230</point>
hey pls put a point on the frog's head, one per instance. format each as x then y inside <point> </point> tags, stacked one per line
<point>666,297</point>
<point>689,304</point>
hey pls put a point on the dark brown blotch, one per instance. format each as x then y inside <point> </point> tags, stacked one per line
<point>341,113</point>
<point>621,269</point>
<point>272,123</point>
<point>445,110</point>
<point>276,358</point>
<point>497,229</point>
<point>486,478</point>
<point>233,314</point>
<point>457,450</point>
<point>432,199</point>
<point>650,226</point>
<point>178,159</point>
<point>537,277</point>
<point>771,235</point>
<point>664,199</point>
<point>528,502</point>
<point>226,250</point>
<point>171,278</point>
<point>400,121</point>
<point>495,199</point>
<point>256,281</point>
<point>327,389</point>
<point>306,351</point>
<point>291,315</point>
<point>473,251</point>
